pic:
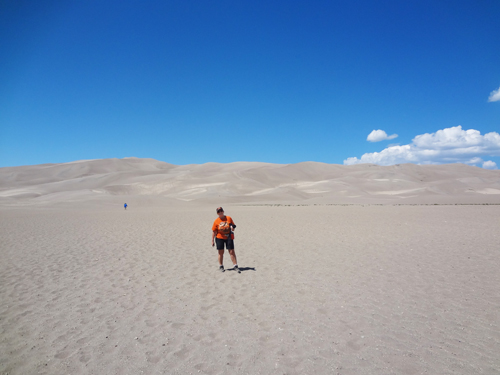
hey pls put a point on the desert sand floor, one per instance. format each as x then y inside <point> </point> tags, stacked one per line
<point>324,290</point>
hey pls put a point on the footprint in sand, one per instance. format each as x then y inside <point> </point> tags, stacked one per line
<point>63,354</point>
<point>85,358</point>
<point>182,353</point>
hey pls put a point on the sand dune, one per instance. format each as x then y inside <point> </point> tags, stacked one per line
<point>89,288</point>
<point>247,183</point>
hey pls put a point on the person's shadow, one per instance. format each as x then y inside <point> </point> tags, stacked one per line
<point>243,269</point>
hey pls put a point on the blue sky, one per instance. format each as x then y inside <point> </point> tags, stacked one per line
<point>274,81</point>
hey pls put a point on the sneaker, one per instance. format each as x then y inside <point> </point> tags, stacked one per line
<point>237,269</point>
<point>221,269</point>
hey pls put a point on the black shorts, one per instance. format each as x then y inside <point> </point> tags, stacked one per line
<point>220,243</point>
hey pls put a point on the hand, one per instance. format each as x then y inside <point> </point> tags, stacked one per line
<point>213,243</point>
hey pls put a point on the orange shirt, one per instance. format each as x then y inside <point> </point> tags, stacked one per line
<point>222,227</point>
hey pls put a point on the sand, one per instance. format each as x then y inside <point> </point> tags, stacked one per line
<point>345,269</point>
<point>144,181</point>
<point>327,289</point>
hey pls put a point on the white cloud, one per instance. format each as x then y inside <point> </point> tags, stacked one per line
<point>379,135</point>
<point>494,96</point>
<point>475,160</point>
<point>450,145</point>
<point>490,164</point>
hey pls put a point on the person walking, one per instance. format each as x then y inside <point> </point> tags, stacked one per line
<point>125,206</point>
<point>223,235</point>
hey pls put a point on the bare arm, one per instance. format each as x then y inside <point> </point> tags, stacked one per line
<point>214,233</point>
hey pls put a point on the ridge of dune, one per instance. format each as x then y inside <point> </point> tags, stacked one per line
<point>248,182</point>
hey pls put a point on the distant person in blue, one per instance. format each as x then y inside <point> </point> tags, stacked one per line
<point>125,205</point>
